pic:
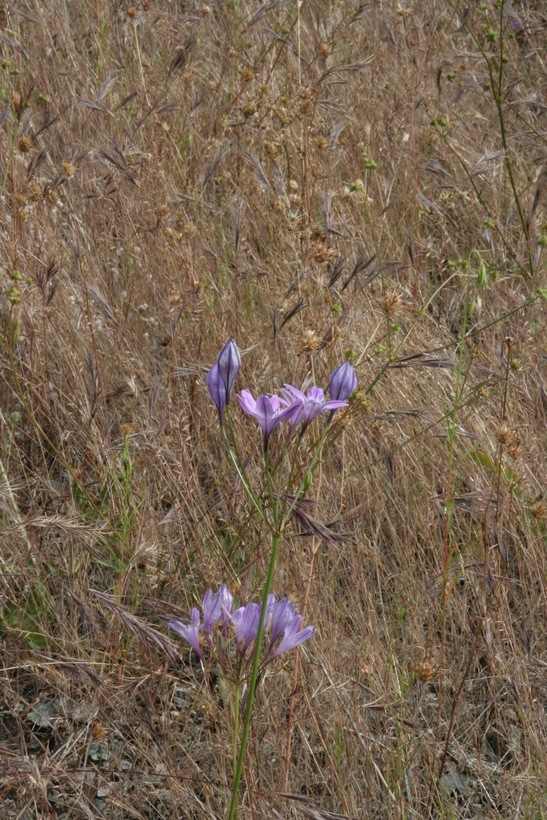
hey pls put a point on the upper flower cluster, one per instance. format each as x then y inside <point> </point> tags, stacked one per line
<point>282,623</point>
<point>292,405</point>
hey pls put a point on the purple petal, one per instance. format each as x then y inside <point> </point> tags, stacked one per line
<point>217,389</point>
<point>211,608</point>
<point>190,632</point>
<point>266,409</point>
<point>334,405</point>
<point>292,637</point>
<point>316,394</point>
<point>282,614</point>
<point>220,379</point>
<point>248,404</point>
<point>245,621</point>
<point>229,362</point>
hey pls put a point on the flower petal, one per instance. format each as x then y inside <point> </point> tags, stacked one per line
<point>190,632</point>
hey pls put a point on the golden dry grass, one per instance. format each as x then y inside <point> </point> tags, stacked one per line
<point>318,181</point>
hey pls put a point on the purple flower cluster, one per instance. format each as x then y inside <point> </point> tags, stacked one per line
<point>282,624</point>
<point>292,405</point>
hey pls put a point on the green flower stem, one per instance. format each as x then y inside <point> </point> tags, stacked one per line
<point>302,486</point>
<point>254,677</point>
<point>240,470</point>
<point>236,725</point>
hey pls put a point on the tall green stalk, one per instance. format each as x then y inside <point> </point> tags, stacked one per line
<point>254,678</point>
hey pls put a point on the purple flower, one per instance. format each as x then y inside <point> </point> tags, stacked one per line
<point>190,632</point>
<point>214,606</point>
<point>280,620</point>
<point>343,382</point>
<point>282,612</point>
<point>227,601</point>
<point>245,621</point>
<point>266,409</point>
<point>292,636</point>
<point>221,378</point>
<point>304,408</point>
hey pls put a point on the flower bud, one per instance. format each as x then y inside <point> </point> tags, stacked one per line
<point>343,382</point>
<point>221,378</point>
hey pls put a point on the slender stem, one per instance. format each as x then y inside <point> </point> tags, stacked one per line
<point>302,486</point>
<point>254,677</point>
<point>236,725</point>
<point>240,470</point>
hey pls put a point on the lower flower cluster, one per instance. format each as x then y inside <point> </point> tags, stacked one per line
<point>220,626</point>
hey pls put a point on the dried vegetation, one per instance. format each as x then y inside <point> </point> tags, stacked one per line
<point>318,180</point>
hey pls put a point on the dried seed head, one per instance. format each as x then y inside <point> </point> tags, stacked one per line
<point>17,102</point>
<point>189,229</point>
<point>310,340</point>
<point>361,400</point>
<point>538,509</point>
<point>272,148</point>
<point>322,252</point>
<point>171,234</point>
<point>24,144</point>
<point>425,670</point>
<point>504,434</point>
<point>249,109</point>
<point>68,168</point>
<point>98,732</point>
<point>34,192</point>
<point>514,449</point>
<point>393,303</point>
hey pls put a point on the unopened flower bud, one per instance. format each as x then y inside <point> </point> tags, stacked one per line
<point>221,378</point>
<point>343,382</point>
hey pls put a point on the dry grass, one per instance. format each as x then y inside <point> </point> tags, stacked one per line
<point>315,181</point>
